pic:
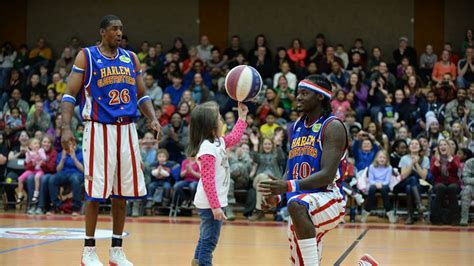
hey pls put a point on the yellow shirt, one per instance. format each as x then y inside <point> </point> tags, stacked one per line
<point>59,87</point>
<point>267,130</point>
<point>46,53</point>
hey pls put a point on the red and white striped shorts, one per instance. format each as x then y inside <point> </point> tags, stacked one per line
<point>112,161</point>
<point>326,210</point>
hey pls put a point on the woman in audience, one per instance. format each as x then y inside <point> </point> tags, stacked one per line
<point>185,111</point>
<point>374,60</point>
<point>282,56</point>
<point>445,167</point>
<point>413,167</point>
<point>271,105</point>
<point>297,54</point>
<point>375,132</point>
<point>457,134</point>
<point>377,93</point>
<point>359,89</point>
<point>199,91</point>
<point>286,95</point>
<point>175,138</point>
<point>260,41</point>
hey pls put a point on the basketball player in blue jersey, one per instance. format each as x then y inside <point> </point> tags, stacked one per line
<point>316,164</point>
<point>107,85</point>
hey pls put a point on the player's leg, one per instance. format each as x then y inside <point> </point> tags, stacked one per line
<point>305,233</point>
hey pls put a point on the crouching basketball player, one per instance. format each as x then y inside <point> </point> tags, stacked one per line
<point>106,83</point>
<point>316,163</point>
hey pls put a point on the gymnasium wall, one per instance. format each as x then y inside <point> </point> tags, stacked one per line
<point>379,22</point>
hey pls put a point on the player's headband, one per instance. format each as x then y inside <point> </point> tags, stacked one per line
<point>305,84</point>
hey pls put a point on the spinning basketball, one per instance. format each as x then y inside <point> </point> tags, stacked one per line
<point>243,83</point>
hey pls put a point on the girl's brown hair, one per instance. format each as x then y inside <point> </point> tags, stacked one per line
<point>203,126</point>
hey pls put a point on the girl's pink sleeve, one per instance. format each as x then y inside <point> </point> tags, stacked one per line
<point>28,157</point>
<point>208,177</point>
<point>236,134</point>
<point>42,154</point>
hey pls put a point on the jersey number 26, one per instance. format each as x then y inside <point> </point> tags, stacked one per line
<point>119,97</point>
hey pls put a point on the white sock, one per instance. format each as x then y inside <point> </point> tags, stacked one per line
<point>309,251</point>
<point>116,236</point>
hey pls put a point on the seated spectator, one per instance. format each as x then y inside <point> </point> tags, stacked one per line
<point>154,63</point>
<point>66,61</point>
<point>170,71</point>
<point>285,71</point>
<point>35,156</point>
<point>427,61</point>
<point>450,111</point>
<point>325,64</point>
<point>433,130</point>
<point>160,177</point>
<point>376,133</point>
<point>282,56</point>
<point>40,53</point>
<point>198,68</point>
<point>240,165</point>
<point>350,120</point>
<point>402,134</point>
<point>185,111</point>
<point>297,54</point>
<point>338,75</point>
<point>7,57</point>
<point>58,84</point>
<point>466,69</point>
<point>285,94</point>
<point>34,88</point>
<point>38,120</point>
<point>45,76</point>
<point>458,135</point>
<point>216,66</point>
<point>175,138</point>
<point>412,86</point>
<point>268,156</point>
<point>453,56</point>
<point>341,53</point>
<point>445,89</point>
<point>52,103</point>
<point>264,65</point>
<point>444,170</point>
<point>188,62</point>
<point>270,105</point>
<point>188,98</point>
<point>180,49</point>
<point>199,91</point>
<point>380,173</point>
<point>356,65</point>
<point>391,80</point>
<point>399,149</point>
<point>268,129</point>
<point>388,117</point>
<point>364,148</point>
<point>231,53</point>
<point>467,193</point>
<point>70,172</point>
<point>204,49</point>
<point>374,60</point>
<point>144,48</point>
<point>377,93</point>
<point>190,175</point>
<point>260,41</point>
<point>153,90</point>
<point>48,166</point>
<point>229,122</point>
<point>413,167</point>
<point>15,123</point>
<point>16,101</point>
<point>402,67</point>
<point>404,109</point>
<point>404,50</point>
<point>360,93</point>
<point>317,52</point>
<point>358,47</point>
<point>442,67</point>
<point>175,90</point>
<point>148,146</point>
<point>167,106</point>
<point>340,105</point>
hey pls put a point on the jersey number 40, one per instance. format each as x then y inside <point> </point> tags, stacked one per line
<point>119,97</point>
<point>303,170</point>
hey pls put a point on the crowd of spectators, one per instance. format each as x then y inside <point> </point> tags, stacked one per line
<point>410,117</point>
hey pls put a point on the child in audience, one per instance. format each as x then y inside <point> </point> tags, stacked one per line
<point>34,157</point>
<point>340,105</point>
<point>388,117</point>
<point>161,177</point>
<point>380,173</point>
<point>268,129</point>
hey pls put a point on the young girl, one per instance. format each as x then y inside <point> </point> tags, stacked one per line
<point>380,173</point>
<point>34,157</point>
<point>340,105</point>
<point>209,147</point>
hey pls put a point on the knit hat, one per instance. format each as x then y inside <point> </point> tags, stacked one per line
<point>430,119</point>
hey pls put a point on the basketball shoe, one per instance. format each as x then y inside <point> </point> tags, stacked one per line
<point>117,257</point>
<point>367,260</point>
<point>90,258</point>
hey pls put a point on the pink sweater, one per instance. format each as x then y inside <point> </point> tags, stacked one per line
<point>339,109</point>
<point>208,164</point>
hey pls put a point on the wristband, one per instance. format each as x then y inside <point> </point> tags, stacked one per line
<point>293,186</point>
<point>68,98</point>
<point>143,99</point>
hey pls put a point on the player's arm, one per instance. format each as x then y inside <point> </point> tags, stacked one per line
<point>74,84</point>
<point>144,101</point>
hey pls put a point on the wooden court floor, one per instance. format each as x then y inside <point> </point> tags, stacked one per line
<point>171,241</point>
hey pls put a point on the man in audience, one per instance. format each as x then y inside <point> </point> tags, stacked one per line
<point>466,69</point>
<point>41,51</point>
<point>450,112</point>
<point>204,49</point>
<point>38,120</point>
<point>66,61</point>
<point>153,90</point>
<point>404,51</point>
<point>383,71</point>
<point>234,50</point>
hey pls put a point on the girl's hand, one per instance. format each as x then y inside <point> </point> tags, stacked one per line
<point>243,111</point>
<point>219,214</point>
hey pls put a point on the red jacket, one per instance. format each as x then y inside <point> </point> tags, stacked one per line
<point>49,166</point>
<point>453,170</point>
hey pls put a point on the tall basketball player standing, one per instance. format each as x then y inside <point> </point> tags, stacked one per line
<point>106,83</point>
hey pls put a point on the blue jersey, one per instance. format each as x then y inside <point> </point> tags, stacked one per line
<point>306,147</point>
<point>109,92</point>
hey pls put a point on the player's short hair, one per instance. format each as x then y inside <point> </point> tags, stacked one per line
<point>105,21</point>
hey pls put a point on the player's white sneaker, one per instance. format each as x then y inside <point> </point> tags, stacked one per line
<point>90,258</point>
<point>367,260</point>
<point>117,257</point>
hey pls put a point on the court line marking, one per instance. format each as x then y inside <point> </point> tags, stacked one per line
<point>30,246</point>
<point>350,248</point>
<point>196,221</point>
